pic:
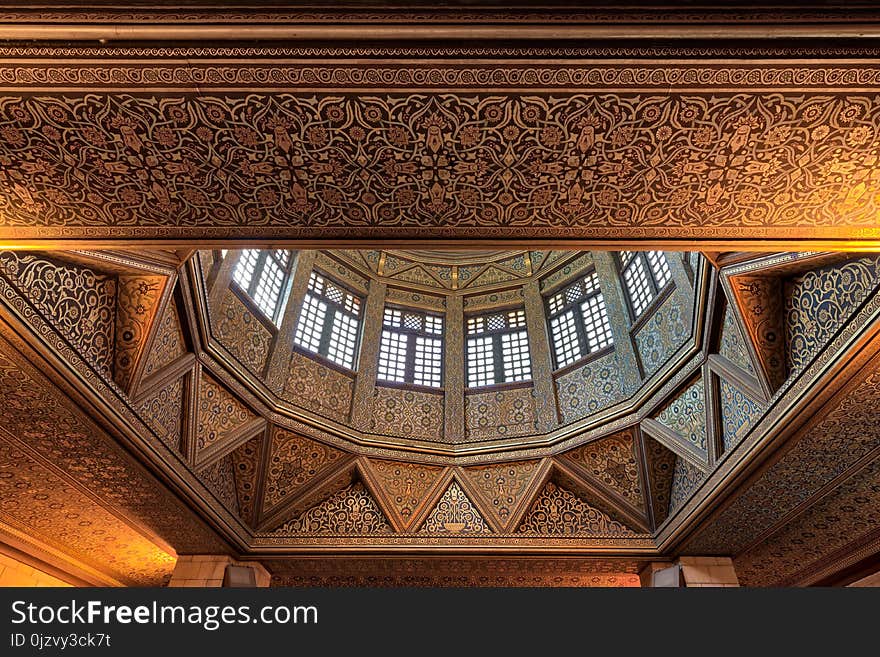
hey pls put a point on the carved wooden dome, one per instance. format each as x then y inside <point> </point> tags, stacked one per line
<point>559,376</point>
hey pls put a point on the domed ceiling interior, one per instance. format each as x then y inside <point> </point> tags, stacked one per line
<point>232,374</point>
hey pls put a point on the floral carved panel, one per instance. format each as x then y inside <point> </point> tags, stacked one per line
<point>556,510</point>
<point>817,303</point>
<point>404,486</point>
<point>294,462</point>
<point>503,487</point>
<point>352,511</point>
<point>578,162</point>
<point>318,388</point>
<point>79,302</point>
<point>137,301</point>
<point>455,513</point>
<point>169,343</point>
<point>613,462</point>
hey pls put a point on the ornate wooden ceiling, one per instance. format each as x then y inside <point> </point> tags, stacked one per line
<point>688,476</point>
<point>583,142</point>
<point>705,128</point>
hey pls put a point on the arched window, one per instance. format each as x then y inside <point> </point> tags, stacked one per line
<point>578,320</point>
<point>329,321</point>
<point>263,275</point>
<point>497,348</point>
<point>645,274</point>
<point>411,348</point>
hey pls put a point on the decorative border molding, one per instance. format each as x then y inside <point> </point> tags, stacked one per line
<point>584,76</point>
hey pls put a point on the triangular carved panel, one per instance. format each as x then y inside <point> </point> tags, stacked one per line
<point>686,416</point>
<point>661,466</point>
<point>613,463</point>
<point>491,275</point>
<point>762,308</point>
<point>163,412</point>
<point>295,462</point>
<point>246,461</point>
<point>503,488</point>
<point>78,301</point>
<point>732,345</point>
<point>738,413</point>
<point>137,300</point>
<point>220,478</point>
<point>404,487</point>
<point>351,511</point>
<point>455,513</point>
<point>219,413</point>
<point>685,480</point>
<point>818,302</point>
<point>557,511</point>
<point>169,343</point>
<point>417,275</point>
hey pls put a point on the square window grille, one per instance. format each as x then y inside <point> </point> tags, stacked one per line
<point>564,334</point>
<point>411,349</point>
<point>498,349</point>
<point>329,321</point>
<point>480,361</point>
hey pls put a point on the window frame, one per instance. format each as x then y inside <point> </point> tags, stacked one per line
<point>497,350</point>
<point>248,293</point>
<point>579,322</point>
<point>658,294</point>
<point>327,329</point>
<point>411,335</point>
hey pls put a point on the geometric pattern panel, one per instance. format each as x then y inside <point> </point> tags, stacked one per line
<point>405,487</point>
<point>294,462</point>
<point>664,333</point>
<point>220,478</point>
<point>455,514</point>
<point>738,414</point>
<point>661,466</point>
<point>79,302</point>
<point>246,461</point>
<point>500,414</point>
<point>351,511</point>
<point>761,307</point>
<point>732,346</point>
<point>169,343</point>
<point>219,413</point>
<point>686,416</point>
<point>163,412</point>
<point>683,141</point>
<point>558,511</point>
<point>818,302</point>
<point>502,487</point>
<point>489,276</point>
<point>417,274</point>
<point>613,462</point>
<point>242,333</point>
<point>318,388</point>
<point>594,386</point>
<point>137,301</point>
<point>406,413</point>
<point>685,480</point>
